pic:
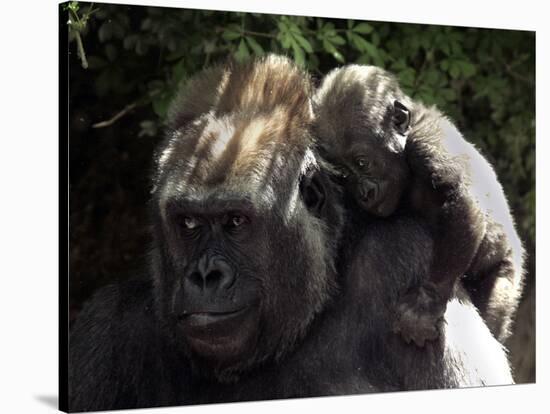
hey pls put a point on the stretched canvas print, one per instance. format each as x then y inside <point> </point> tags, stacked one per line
<point>266,206</point>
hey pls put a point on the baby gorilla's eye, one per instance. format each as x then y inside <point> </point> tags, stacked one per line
<point>362,162</point>
<point>190,222</point>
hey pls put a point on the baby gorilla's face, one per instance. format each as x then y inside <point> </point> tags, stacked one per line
<point>375,176</point>
<point>372,160</point>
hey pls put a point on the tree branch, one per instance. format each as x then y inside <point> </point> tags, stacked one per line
<point>115,118</point>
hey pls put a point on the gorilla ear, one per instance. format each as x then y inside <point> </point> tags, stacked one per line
<point>401,117</point>
<point>313,192</point>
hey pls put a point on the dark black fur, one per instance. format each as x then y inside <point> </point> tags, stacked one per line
<point>396,155</point>
<point>316,317</point>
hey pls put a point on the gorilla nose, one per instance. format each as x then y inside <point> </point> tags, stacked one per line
<point>368,191</point>
<point>211,274</point>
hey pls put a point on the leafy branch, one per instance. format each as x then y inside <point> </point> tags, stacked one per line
<point>77,24</point>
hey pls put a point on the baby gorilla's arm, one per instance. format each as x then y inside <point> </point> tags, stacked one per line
<point>440,192</point>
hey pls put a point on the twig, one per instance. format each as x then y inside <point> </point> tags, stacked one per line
<point>144,100</point>
<point>259,34</point>
<point>80,50</point>
<point>77,25</point>
<point>115,118</point>
<point>244,32</point>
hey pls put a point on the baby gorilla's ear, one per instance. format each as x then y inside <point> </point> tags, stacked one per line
<point>401,117</point>
<point>313,192</point>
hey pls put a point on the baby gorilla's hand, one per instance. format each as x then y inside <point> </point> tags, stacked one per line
<point>419,315</point>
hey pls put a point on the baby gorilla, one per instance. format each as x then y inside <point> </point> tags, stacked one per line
<point>398,156</point>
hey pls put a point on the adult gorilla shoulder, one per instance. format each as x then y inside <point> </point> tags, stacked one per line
<point>244,300</point>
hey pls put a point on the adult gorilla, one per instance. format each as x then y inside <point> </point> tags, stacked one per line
<point>245,300</point>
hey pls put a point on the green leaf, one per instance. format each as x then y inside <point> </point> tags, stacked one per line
<point>73,5</point>
<point>286,40</point>
<point>454,71</point>
<point>161,103</point>
<point>431,76</point>
<point>304,43</point>
<point>364,46</point>
<point>363,28</point>
<point>178,71</point>
<point>337,40</point>
<point>229,34</point>
<point>255,46</point>
<point>339,57</point>
<point>299,57</point>
<point>468,69</point>
<point>359,42</point>
<point>407,77</point>
<point>282,26</point>
<point>364,59</point>
<point>329,27</point>
<point>375,39</point>
<point>294,29</point>
<point>445,48</point>
<point>242,52</point>
<point>329,47</point>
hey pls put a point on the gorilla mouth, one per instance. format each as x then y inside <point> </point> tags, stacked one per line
<point>220,335</point>
<point>370,203</point>
<point>204,319</point>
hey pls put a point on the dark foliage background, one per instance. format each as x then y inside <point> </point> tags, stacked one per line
<point>126,63</point>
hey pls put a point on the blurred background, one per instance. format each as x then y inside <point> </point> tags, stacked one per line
<point>126,63</point>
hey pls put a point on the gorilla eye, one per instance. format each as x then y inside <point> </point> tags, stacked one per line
<point>236,221</point>
<point>190,222</point>
<point>362,162</point>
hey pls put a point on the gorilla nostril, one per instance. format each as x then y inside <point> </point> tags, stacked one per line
<point>213,279</point>
<point>370,194</point>
<point>196,279</point>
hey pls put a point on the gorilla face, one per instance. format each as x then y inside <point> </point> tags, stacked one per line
<point>216,297</point>
<point>242,256</point>
<point>362,128</point>
<point>373,174</point>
